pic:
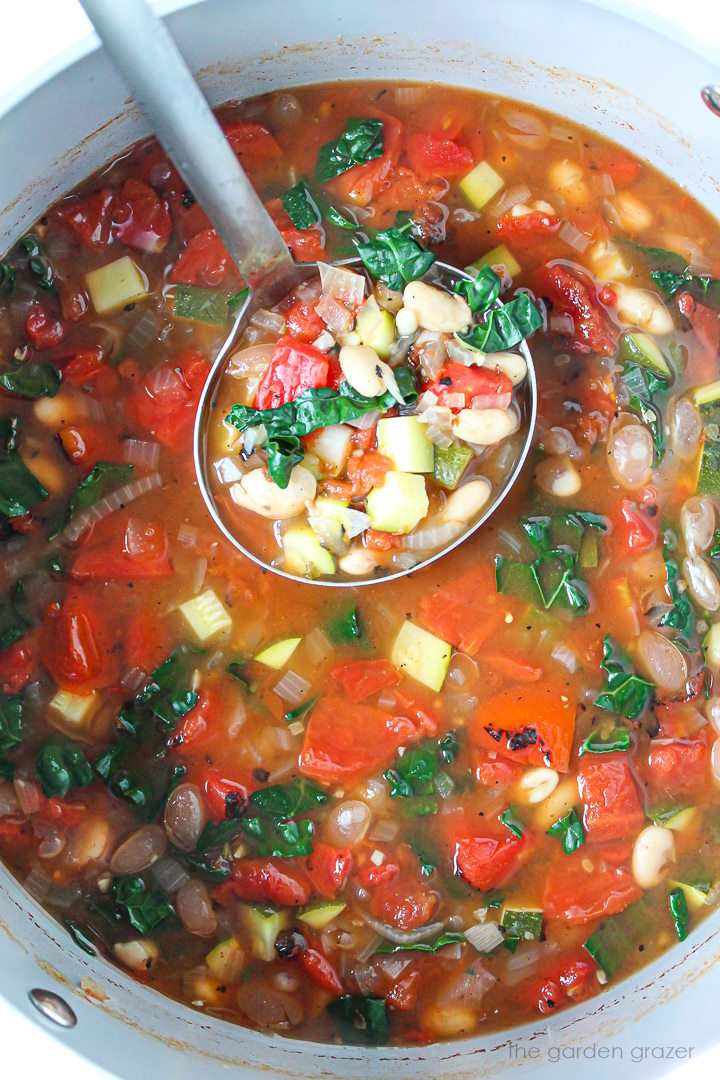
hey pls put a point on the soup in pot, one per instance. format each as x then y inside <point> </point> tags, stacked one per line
<point>423,809</point>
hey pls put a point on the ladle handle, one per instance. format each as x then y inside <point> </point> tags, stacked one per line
<point>149,61</point>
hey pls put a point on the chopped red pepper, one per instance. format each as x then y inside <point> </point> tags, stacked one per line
<point>328,868</point>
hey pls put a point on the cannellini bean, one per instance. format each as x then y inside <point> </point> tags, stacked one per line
<point>654,849</point>
<point>144,847</point>
<point>558,440</point>
<point>661,661</point>
<point>184,816</point>
<point>630,455</point>
<point>89,842</point>
<point>361,367</point>
<point>348,823</point>
<point>568,179</point>
<point>712,712</point>
<point>702,583</point>
<point>511,364</point>
<point>686,428</point>
<point>558,477</point>
<point>50,473</point>
<point>639,307</point>
<point>358,563</point>
<point>435,309</point>
<point>609,262</point>
<point>138,955</point>
<point>484,427</point>
<point>556,805</point>
<point>535,785</point>
<point>450,1020</point>
<point>405,322</point>
<point>634,215</point>
<point>697,520</point>
<point>465,502</point>
<point>195,908</point>
<point>255,492</point>
<point>56,411</point>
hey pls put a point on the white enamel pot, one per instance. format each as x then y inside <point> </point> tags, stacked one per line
<point>634,81</point>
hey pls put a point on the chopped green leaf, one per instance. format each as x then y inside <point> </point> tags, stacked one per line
<point>200,305</point>
<point>447,938</point>
<point>61,765</point>
<point>361,141</point>
<point>7,770</point>
<point>641,385</point>
<point>616,739</point>
<point>19,490</point>
<point>522,922</point>
<point>30,380</point>
<point>504,327</point>
<point>346,629</point>
<point>449,747</point>
<point>570,830</point>
<point>681,616</point>
<point>300,206</point>
<point>679,911</point>
<point>38,263</point>
<point>236,668</point>
<point>301,709</point>
<point>395,258</point>
<point>547,581</point>
<point>11,722</point>
<point>215,836</point>
<point>146,909</point>
<point>510,821</point>
<point>80,937</point>
<point>7,279</point>
<point>624,691</point>
<point>482,292</point>
<point>102,478</point>
<point>360,1019</point>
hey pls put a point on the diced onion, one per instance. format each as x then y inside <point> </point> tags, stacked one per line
<point>560,133</point>
<point>364,423</point>
<point>561,323</point>
<point>187,535</point>
<point>110,503</point>
<point>324,341</point>
<point>384,831</point>
<point>426,401</point>
<point>491,401</point>
<point>526,129</point>
<point>454,401</point>
<point>403,937</point>
<point>341,284</point>
<point>434,536</point>
<point>565,656</point>
<point>143,333</point>
<point>334,314</point>
<point>573,237</point>
<point>318,647</point>
<point>403,560</point>
<point>308,290</point>
<point>141,453</point>
<point>37,883</point>
<point>484,936</point>
<point>199,570</point>
<point>466,988</point>
<point>292,688</point>
<point>355,522</point>
<point>227,470</point>
<point>514,196</point>
<point>268,320</point>
<point>468,357</point>
<point>238,719</point>
<point>169,875</point>
<point>28,795</point>
<point>602,183</point>
<point>164,380</point>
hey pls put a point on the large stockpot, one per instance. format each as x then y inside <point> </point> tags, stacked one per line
<point>629,77</point>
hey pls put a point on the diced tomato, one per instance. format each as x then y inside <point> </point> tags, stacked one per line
<point>525,228</point>
<point>17,837</point>
<point>432,155</point>
<point>368,471</point>
<point>147,641</point>
<point>266,882</point>
<point>484,856</point>
<point>363,678</point>
<point>404,992</point>
<point>345,741</point>
<point>198,720</point>
<point>364,440</point>
<point>203,261</point>
<point>307,245</point>
<point>563,980</point>
<point>577,896</point>
<point>362,183</point>
<point>705,321</point>
<point>68,814</point>
<point>494,771</point>
<point>472,382</point>
<point>44,330</point>
<point>636,530</point>
<point>85,444</point>
<point>16,667</point>
<point>252,143</point>
<point>87,217</point>
<point>74,303</point>
<point>512,667</point>
<point>679,768</point>
<point>467,612</point>
<point>381,541</point>
<point>328,868</point>
<point>294,368</point>
<point>140,218</point>
<point>77,645</point>
<point>302,322</point>
<point>370,876</point>
<point>82,365</point>
<point>619,166</point>
<point>225,797</point>
<point>317,966</point>
<point>593,332</point>
<point>121,548</point>
<point>612,808</point>
<point>532,724</point>
<point>403,903</point>
<point>424,722</point>
<point>167,402</point>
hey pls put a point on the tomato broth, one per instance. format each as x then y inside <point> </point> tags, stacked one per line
<point>419,810</point>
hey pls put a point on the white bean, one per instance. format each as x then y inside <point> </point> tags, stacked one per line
<point>630,455</point>
<point>467,501</point>
<point>405,322</point>
<point>435,309</point>
<point>558,476</point>
<point>359,563</point>
<point>639,307</point>
<point>511,364</point>
<point>484,427</point>
<point>559,803</point>
<point>255,492</point>
<point>361,367</point>
<point>450,1020</point>
<point>634,215</point>
<point>697,520</point>
<point>137,955</point>
<point>609,262</point>
<point>702,583</point>
<point>654,849</point>
<point>535,785</point>
<point>686,428</point>
<point>568,179</point>
<point>661,661</point>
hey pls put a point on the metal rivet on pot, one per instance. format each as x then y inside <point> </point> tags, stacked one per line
<point>53,1007</point>
<point>711,97</point>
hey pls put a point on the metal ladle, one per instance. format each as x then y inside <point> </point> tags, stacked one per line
<point>163,87</point>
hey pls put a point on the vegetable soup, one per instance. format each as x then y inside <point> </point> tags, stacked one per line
<point>427,808</point>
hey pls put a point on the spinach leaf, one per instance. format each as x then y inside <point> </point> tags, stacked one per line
<point>313,409</point>
<point>624,691</point>
<point>236,668</point>
<point>481,293</point>
<point>11,722</point>
<point>12,623</point>
<point>671,273</point>
<point>346,629</point>
<point>200,305</point>
<point>360,1019</point>
<point>418,776</point>
<point>166,698</point>
<point>427,863</point>
<point>217,836</point>
<point>38,263</point>
<point>7,279</point>
<point>681,616</point>
<point>678,904</point>
<point>570,831</point>
<point>274,831</point>
<point>361,141</point>
<point>146,908</point>
<point>617,739</point>
<point>641,386</point>
<point>288,800</point>
<point>19,490</point>
<point>395,258</point>
<point>447,938</point>
<point>7,770</point>
<point>102,478</point>
<point>301,709</point>
<point>300,206</point>
<point>30,380</point>
<point>80,936</point>
<point>510,821</point>
<point>504,327</point>
<point>564,529</point>
<point>61,765</point>
<point>546,582</point>
<point>449,747</point>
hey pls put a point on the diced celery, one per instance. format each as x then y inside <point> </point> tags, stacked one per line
<point>422,655</point>
<point>320,915</point>
<point>115,285</point>
<point>200,305</point>
<point>449,464</point>
<point>304,554</point>
<point>404,440</point>
<point>206,615</point>
<point>399,504</point>
<point>481,184</point>
<point>499,256</point>
<point>277,655</point>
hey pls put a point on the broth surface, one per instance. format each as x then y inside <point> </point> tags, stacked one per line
<point>248,792</point>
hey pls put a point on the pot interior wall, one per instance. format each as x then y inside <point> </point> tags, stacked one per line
<point>634,85</point>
